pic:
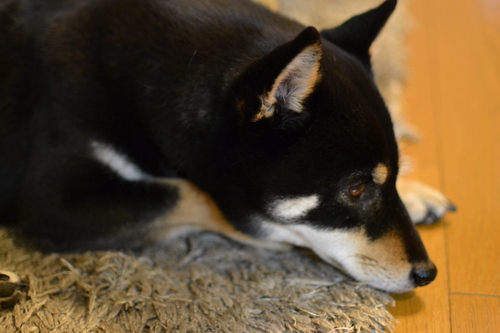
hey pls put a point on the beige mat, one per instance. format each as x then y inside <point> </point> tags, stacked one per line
<point>200,283</point>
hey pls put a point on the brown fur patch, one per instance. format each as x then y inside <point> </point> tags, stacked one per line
<point>196,210</point>
<point>380,174</point>
<point>389,250</point>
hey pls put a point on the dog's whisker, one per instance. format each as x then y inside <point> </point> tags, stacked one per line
<point>367,258</point>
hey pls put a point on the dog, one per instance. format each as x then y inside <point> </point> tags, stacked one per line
<point>125,122</point>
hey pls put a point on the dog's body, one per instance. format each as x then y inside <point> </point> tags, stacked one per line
<point>113,114</point>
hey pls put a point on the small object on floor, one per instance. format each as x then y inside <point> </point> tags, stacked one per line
<point>10,289</point>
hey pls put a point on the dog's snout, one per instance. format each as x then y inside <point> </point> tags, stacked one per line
<point>423,273</point>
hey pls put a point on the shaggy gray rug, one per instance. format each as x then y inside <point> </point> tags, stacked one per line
<point>202,282</point>
<point>198,283</point>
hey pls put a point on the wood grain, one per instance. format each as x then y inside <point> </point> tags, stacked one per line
<point>453,97</point>
<point>470,121</point>
<point>476,314</point>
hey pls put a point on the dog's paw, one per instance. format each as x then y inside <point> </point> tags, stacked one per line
<point>425,205</point>
<point>405,131</point>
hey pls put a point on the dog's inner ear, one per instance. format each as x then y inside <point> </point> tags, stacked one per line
<point>272,91</point>
<point>293,84</point>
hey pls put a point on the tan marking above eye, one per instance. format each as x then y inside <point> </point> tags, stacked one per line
<point>356,190</point>
<point>380,174</point>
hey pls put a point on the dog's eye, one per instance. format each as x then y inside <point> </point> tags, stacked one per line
<point>356,190</point>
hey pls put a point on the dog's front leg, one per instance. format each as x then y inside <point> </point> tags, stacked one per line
<point>195,209</point>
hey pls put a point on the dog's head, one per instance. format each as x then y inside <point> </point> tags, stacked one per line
<point>318,157</point>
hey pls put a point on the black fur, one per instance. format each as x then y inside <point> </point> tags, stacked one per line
<point>173,85</point>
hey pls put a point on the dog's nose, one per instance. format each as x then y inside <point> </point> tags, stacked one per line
<point>423,273</point>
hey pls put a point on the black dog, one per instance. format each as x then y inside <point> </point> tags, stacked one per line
<point>122,121</point>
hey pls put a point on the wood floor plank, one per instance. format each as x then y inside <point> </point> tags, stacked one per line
<point>477,314</point>
<point>426,309</point>
<point>469,86</point>
<point>453,96</point>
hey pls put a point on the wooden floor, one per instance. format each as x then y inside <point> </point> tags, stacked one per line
<point>453,97</point>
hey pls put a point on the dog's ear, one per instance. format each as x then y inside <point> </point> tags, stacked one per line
<point>272,91</point>
<point>358,33</point>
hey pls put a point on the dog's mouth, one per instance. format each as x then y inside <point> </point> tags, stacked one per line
<point>368,270</point>
<point>375,276</point>
<point>334,263</point>
<point>382,264</point>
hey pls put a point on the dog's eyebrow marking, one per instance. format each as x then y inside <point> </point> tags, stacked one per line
<point>117,162</point>
<point>295,207</point>
<point>380,173</point>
